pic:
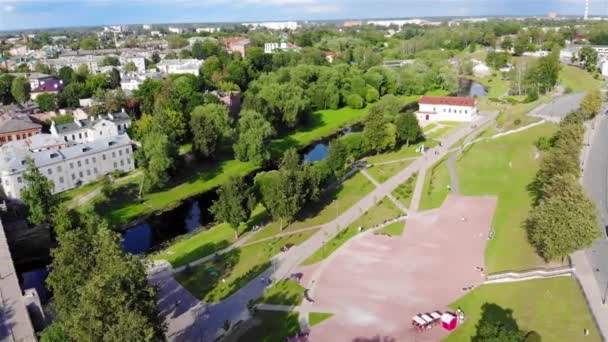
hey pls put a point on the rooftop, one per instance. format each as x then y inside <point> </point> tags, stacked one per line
<point>448,101</point>
<point>12,122</point>
<point>119,118</point>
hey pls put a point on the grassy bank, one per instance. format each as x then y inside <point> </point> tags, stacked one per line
<point>578,79</point>
<point>435,188</point>
<point>555,308</point>
<point>504,167</point>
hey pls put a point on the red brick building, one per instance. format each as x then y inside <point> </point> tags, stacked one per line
<point>17,127</point>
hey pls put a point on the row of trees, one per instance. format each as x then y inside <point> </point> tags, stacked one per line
<point>563,219</point>
<point>534,77</point>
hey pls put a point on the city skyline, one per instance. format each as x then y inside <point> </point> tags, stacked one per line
<point>38,14</point>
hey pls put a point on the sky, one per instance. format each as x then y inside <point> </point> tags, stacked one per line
<point>25,14</point>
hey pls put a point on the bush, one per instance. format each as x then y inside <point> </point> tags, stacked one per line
<point>355,101</point>
<point>532,96</point>
<point>517,122</point>
<point>568,90</point>
<point>117,173</point>
<point>543,143</point>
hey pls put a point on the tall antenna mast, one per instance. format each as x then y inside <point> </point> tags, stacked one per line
<point>586,10</point>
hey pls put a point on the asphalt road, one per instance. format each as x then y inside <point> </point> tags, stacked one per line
<point>595,180</point>
<point>559,107</point>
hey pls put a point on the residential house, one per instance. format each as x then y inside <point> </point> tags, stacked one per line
<point>136,58</point>
<point>74,62</point>
<point>15,126</point>
<point>283,45</point>
<point>180,66</point>
<point>49,86</point>
<point>446,108</point>
<point>92,128</point>
<point>236,44</point>
<point>35,78</point>
<point>330,56</point>
<point>131,82</point>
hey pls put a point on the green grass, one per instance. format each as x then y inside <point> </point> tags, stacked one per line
<point>273,326</point>
<point>401,153</point>
<point>384,210</point>
<point>496,86</point>
<point>393,229</point>
<point>403,193</point>
<point>578,79</point>
<point>515,116</point>
<point>217,279</point>
<point>67,197</point>
<point>189,248</point>
<point>382,173</point>
<point>332,203</point>
<point>504,167</point>
<point>285,292</point>
<point>435,188</point>
<point>555,308</point>
<point>429,127</point>
<point>315,318</point>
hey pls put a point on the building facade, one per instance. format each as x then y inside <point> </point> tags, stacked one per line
<point>15,127</point>
<point>180,66</point>
<point>446,108</point>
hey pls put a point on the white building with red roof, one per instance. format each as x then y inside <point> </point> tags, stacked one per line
<point>446,108</point>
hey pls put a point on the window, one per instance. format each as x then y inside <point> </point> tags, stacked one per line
<point>115,165</point>
<point>80,174</point>
<point>113,154</point>
<point>71,165</point>
<point>73,137</point>
<point>59,168</point>
<point>79,163</point>
<point>122,163</point>
<point>73,176</point>
<point>95,170</point>
<point>23,136</point>
<point>86,135</point>
<point>127,151</point>
<point>10,138</point>
<point>86,161</point>
<point>79,135</point>
<point>6,182</point>
<point>88,172</point>
<point>29,134</point>
<point>120,153</point>
<point>103,157</point>
<point>19,180</point>
<point>18,137</point>
<point>49,171</point>
<point>61,180</point>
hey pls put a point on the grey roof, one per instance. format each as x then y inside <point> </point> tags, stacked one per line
<point>178,61</point>
<point>13,156</point>
<point>11,122</point>
<point>119,118</point>
<point>30,75</point>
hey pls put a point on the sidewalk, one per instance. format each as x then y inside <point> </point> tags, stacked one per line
<point>586,278</point>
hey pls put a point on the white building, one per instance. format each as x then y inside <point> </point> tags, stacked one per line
<point>131,82</point>
<point>274,25</point>
<point>386,23</point>
<point>138,60</point>
<point>91,61</point>
<point>446,108</point>
<point>146,27</point>
<point>282,45</point>
<point>73,154</point>
<point>208,29</point>
<point>176,30</point>
<point>180,66</point>
<point>481,70</point>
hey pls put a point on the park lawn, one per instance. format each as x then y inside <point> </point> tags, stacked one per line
<point>401,153</point>
<point>284,292</point>
<point>439,132</point>
<point>578,79</point>
<point>331,204</point>
<point>403,193</point>
<point>505,167</point>
<point>270,326</point>
<point>382,173</point>
<point>435,188</point>
<point>189,248</point>
<point>393,229</point>
<point>218,279</point>
<point>429,127</point>
<point>555,308</point>
<point>315,318</point>
<point>67,197</point>
<point>515,116</point>
<point>384,210</point>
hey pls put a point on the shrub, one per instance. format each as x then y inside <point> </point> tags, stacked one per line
<point>543,143</point>
<point>517,122</point>
<point>568,90</point>
<point>355,101</point>
<point>117,173</point>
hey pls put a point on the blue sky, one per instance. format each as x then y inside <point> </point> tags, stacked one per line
<point>21,14</point>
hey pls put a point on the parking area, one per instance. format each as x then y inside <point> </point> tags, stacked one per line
<point>375,284</point>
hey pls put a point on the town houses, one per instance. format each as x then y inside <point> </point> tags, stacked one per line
<point>446,108</point>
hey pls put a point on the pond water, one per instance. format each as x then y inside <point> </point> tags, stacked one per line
<point>319,150</point>
<point>467,87</point>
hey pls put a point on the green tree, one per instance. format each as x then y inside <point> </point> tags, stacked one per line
<point>506,44</point>
<point>173,124</point>
<point>591,104</point>
<point>114,79</point>
<point>588,58</point>
<point>157,156</point>
<point>337,156</point>
<point>198,50</point>
<point>66,74</point>
<point>408,128</point>
<point>564,223</point>
<point>355,101</point>
<point>20,89</point>
<point>6,82</point>
<point>146,94</point>
<point>130,67</point>
<point>522,43</point>
<point>375,129</point>
<point>210,124</point>
<point>70,96</point>
<point>37,194</point>
<point>176,42</point>
<point>88,44</point>
<point>43,68</point>
<point>254,134</point>
<point>110,61</point>
<point>234,204</point>
<point>47,102</point>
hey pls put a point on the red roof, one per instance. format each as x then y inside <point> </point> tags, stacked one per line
<point>448,101</point>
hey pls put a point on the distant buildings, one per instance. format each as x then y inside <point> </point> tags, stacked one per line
<point>387,23</point>
<point>131,82</point>
<point>176,30</point>
<point>236,44</point>
<point>91,61</point>
<point>446,108</point>
<point>352,23</point>
<point>282,45</point>
<point>137,59</point>
<point>146,27</point>
<point>274,25</point>
<point>208,29</point>
<point>73,154</point>
<point>180,66</point>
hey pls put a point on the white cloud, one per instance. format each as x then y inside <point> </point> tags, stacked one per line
<point>9,8</point>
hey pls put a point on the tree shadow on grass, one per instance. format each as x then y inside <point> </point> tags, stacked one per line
<point>497,324</point>
<point>200,252</point>
<point>284,292</point>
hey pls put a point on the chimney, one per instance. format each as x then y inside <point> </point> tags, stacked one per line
<point>110,116</point>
